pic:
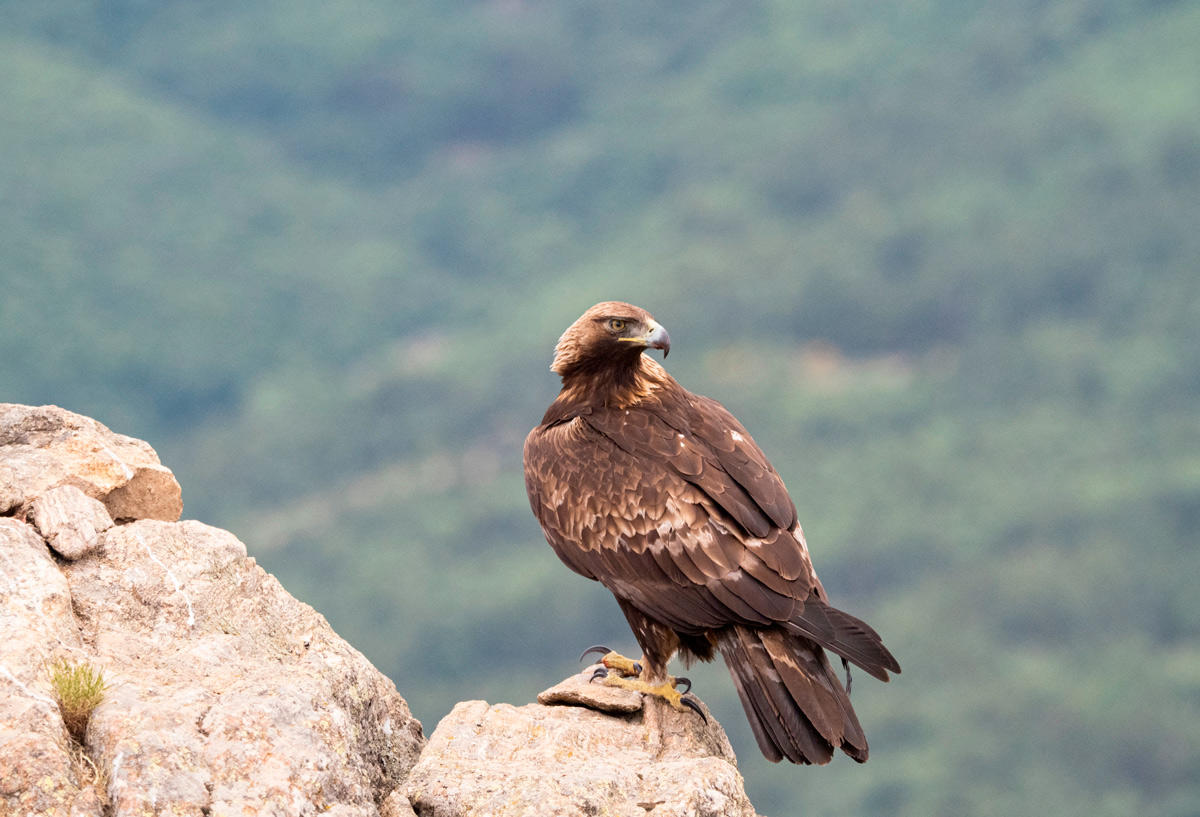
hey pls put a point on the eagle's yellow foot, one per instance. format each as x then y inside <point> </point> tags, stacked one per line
<point>615,661</point>
<point>627,672</point>
<point>665,691</point>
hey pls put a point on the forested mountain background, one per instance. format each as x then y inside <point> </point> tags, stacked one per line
<point>941,258</point>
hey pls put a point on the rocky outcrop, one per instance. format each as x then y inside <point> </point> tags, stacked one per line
<point>228,696</point>
<point>633,759</point>
<point>46,447</point>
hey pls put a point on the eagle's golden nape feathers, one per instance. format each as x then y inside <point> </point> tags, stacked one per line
<point>663,496</point>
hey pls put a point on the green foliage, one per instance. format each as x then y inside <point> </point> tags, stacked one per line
<point>79,689</point>
<point>940,259</point>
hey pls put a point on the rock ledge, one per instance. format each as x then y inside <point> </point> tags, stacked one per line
<point>569,760</point>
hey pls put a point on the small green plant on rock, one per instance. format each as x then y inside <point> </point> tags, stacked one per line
<point>80,689</point>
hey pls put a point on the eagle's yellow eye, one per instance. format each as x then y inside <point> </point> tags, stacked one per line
<point>616,324</point>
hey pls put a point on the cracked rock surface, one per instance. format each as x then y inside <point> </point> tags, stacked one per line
<point>227,696</point>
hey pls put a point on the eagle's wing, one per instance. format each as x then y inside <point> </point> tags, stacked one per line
<point>741,458</point>
<point>676,511</point>
<point>631,528</point>
<point>651,512</point>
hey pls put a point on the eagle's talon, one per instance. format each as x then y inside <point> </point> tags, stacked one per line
<point>682,680</point>
<point>690,702</point>
<point>599,649</point>
<point>637,668</point>
<point>601,672</point>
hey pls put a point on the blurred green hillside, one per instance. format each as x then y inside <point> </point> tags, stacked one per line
<point>942,259</point>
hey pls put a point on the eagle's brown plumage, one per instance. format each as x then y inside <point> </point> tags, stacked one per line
<point>664,498</point>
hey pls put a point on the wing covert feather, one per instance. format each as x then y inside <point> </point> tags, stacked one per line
<point>741,457</point>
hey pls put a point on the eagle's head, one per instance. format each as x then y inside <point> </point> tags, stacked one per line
<point>609,335</point>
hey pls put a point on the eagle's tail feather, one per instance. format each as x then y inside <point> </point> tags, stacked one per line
<point>795,704</point>
<point>842,633</point>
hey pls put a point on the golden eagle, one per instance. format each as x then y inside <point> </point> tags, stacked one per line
<point>663,497</point>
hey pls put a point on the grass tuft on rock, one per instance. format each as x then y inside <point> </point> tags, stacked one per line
<point>80,689</point>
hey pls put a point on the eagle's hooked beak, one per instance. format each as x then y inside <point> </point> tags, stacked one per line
<point>657,338</point>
